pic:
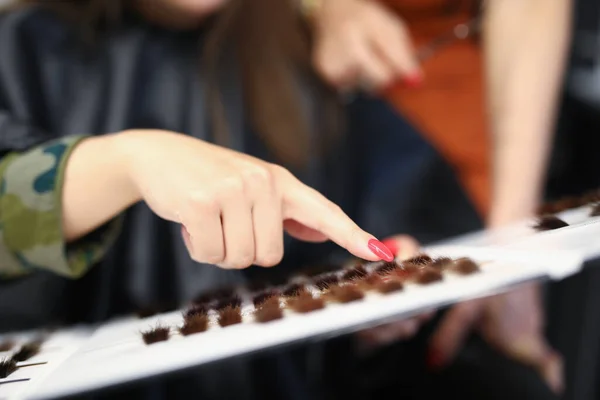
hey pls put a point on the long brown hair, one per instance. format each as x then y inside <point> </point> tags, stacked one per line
<point>273,47</point>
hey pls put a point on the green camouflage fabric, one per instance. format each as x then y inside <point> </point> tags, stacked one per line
<point>31,235</point>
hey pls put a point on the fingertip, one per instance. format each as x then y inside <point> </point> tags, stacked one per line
<point>380,250</point>
<point>413,80</point>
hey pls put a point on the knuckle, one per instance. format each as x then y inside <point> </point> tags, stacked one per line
<point>194,257</point>
<point>270,259</point>
<point>242,261</point>
<point>258,176</point>
<point>334,208</point>
<point>213,259</point>
<point>280,171</point>
<point>202,200</point>
<point>282,176</point>
<point>231,186</point>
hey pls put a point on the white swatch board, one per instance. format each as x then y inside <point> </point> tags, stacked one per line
<point>115,353</point>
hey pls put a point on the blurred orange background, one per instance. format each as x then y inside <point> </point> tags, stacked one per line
<point>449,107</point>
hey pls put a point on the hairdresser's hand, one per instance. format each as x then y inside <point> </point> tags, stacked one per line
<point>233,208</point>
<point>369,339</point>
<point>361,43</point>
<point>512,323</point>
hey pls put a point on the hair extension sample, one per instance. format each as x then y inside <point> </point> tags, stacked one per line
<point>157,334</point>
<point>548,223</point>
<point>230,316</point>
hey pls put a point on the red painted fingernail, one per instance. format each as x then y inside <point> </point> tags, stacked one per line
<point>434,360</point>
<point>413,81</point>
<point>380,250</point>
<point>392,245</point>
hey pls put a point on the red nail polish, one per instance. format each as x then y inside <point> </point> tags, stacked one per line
<point>380,250</point>
<point>413,81</point>
<point>392,245</point>
<point>434,360</point>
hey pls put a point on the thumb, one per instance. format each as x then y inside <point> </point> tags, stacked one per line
<point>402,246</point>
<point>452,332</point>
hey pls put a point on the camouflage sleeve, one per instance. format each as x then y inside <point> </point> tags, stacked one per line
<point>31,235</point>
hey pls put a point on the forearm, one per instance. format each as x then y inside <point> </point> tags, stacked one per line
<point>96,186</point>
<point>55,193</point>
<point>526,42</point>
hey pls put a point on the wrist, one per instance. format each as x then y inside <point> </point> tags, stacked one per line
<point>123,151</point>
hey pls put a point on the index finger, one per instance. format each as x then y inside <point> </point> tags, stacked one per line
<point>311,208</point>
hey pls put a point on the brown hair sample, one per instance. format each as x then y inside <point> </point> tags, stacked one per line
<point>157,334</point>
<point>194,324</point>
<point>325,282</point>
<point>595,212</point>
<point>267,313</point>
<point>27,351</point>
<point>271,302</point>
<point>370,282</point>
<point>386,268</point>
<point>232,302</point>
<point>393,285</point>
<point>441,263</point>
<point>355,273</point>
<point>306,303</point>
<point>264,296</point>
<point>195,310</point>
<point>428,275</point>
<point>7,367</point>
<point>293,290</point>
<point>420,259</point>
<point>407,271</point>
<point>346,294</point>
<point>230,316</point>
<point>465,266</point>
<point>548,223</point>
